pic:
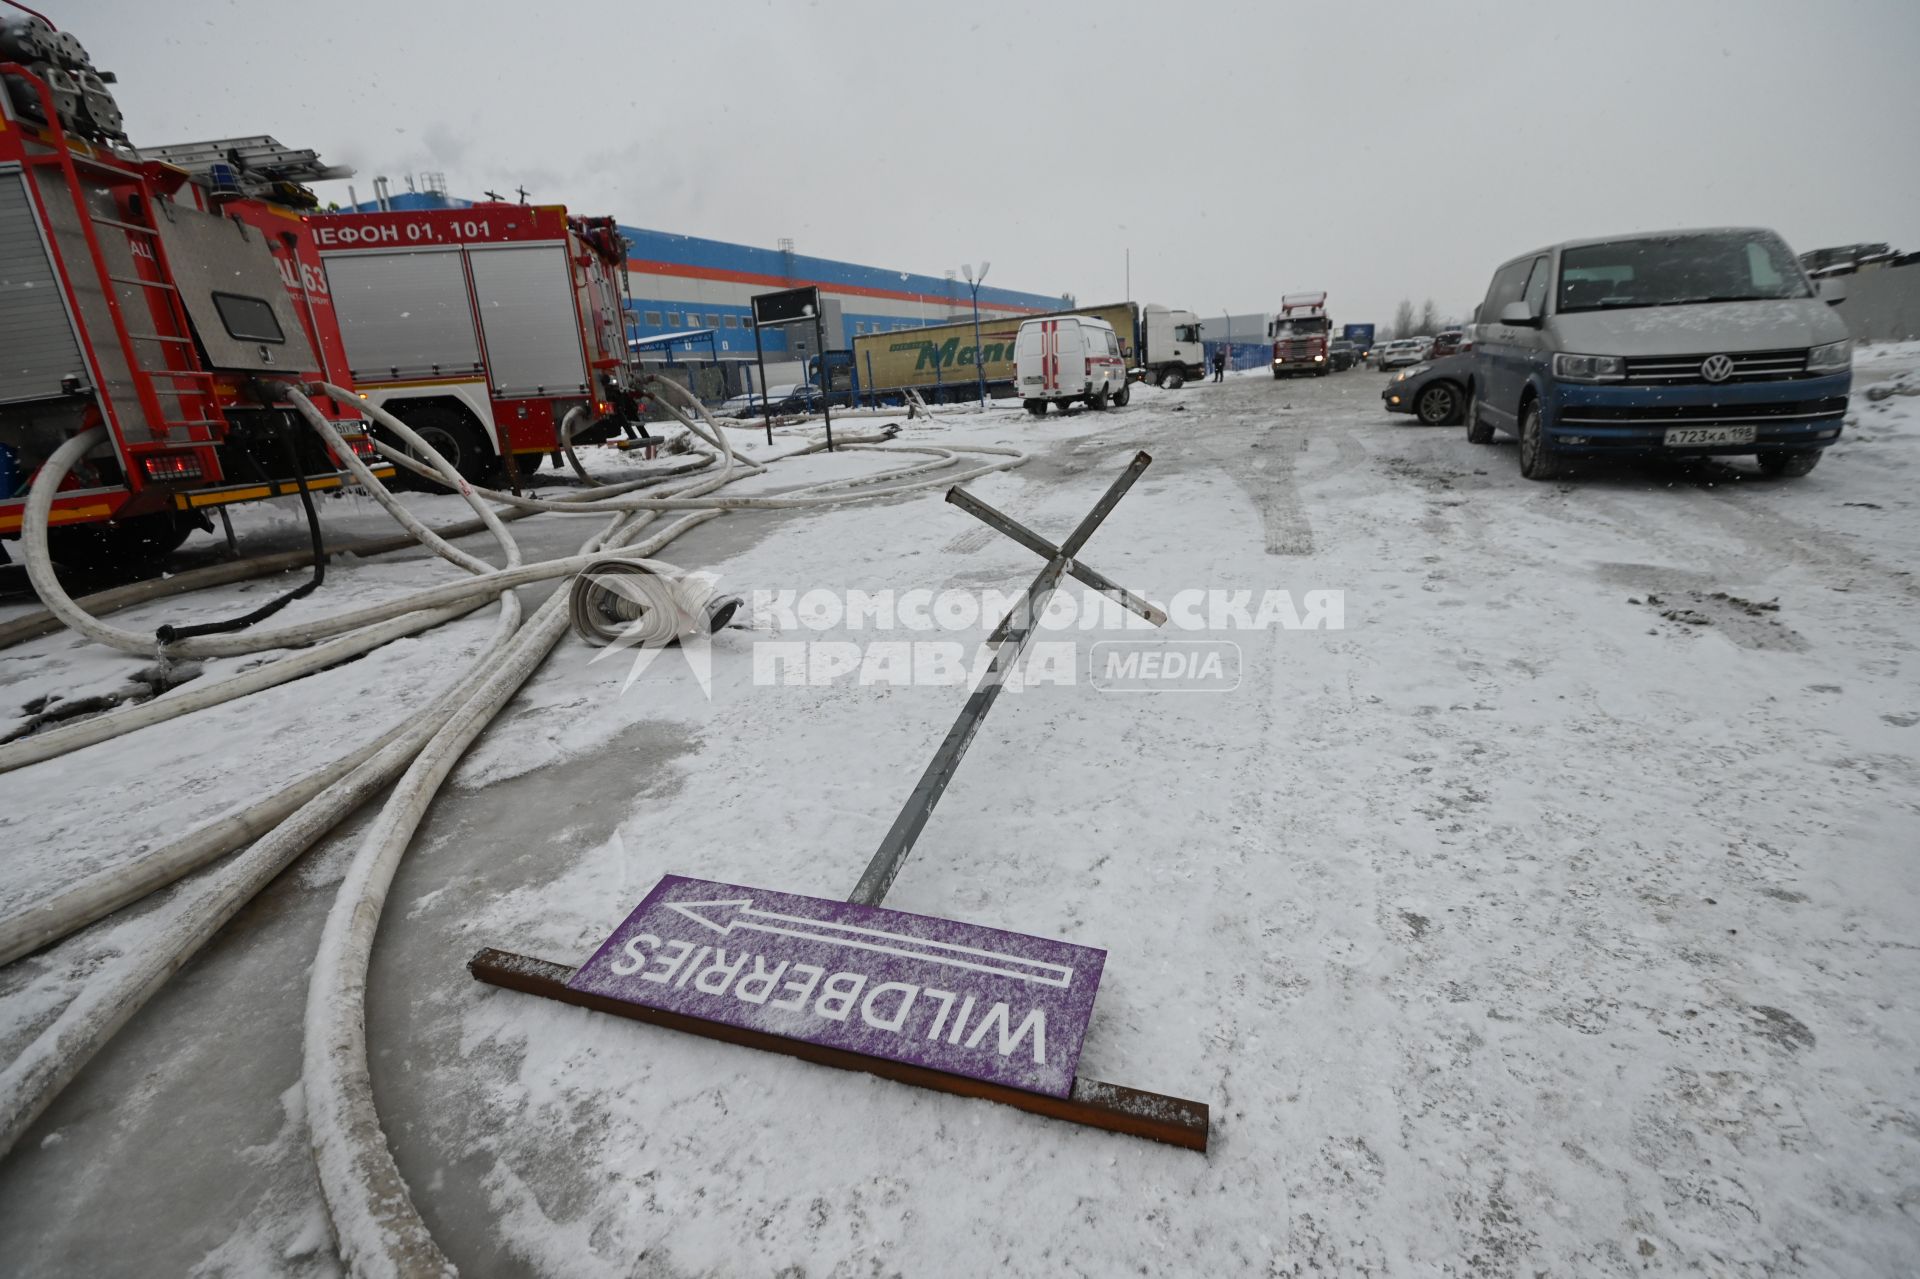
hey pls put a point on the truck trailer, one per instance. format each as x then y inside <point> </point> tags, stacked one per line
<point>937,361</point>
<point>1361,335</point>
<point>163,310</point>
<point>483,327</point>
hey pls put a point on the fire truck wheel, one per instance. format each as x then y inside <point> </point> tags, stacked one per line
<point>139,543</point>
<point>455,438</point>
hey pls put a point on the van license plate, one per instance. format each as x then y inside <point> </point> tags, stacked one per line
<point>1692,436</point>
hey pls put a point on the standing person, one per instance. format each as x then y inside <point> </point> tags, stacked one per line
<point>1219,363</point>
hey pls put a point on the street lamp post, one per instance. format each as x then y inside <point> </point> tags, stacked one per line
<point>974,286</point>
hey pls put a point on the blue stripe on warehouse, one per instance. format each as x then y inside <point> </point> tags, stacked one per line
<point>683,282</point>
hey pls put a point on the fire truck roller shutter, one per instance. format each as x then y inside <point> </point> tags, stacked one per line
<point>525,296</point>
<point>34,330</point>
<point>404,314</point>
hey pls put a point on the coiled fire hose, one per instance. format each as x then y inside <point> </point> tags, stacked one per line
<point>626,602</point>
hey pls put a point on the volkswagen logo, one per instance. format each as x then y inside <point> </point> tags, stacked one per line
<point>1717,368</point>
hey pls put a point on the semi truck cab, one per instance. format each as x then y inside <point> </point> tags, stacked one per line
<point>1301,333</point>
<point>1170,352</point>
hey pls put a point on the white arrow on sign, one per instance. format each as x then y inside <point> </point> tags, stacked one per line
<point>725,916</point>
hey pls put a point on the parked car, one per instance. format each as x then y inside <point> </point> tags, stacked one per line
<point>1446,343</point>
<point>1342,354</point>
<point>792,397</point>
<point>1398,353</point>
<point>1067,358</point>
<point>1673,343</point>
<point>1436,393</point>
<point>738,405</point>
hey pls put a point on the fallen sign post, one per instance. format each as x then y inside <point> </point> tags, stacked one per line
<point>1011,638</point>
<point>955,1007</point>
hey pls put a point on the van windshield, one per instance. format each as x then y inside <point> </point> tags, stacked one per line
<point>1676,270</point>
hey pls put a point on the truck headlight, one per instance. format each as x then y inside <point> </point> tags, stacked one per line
<point>1834,357</point>
<point>1588,368</point>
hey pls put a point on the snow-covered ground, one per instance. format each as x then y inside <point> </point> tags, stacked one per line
<point>1555,915</point>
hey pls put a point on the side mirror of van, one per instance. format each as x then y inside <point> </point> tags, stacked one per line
<point>1519,313</point>
<point>1833,291</point>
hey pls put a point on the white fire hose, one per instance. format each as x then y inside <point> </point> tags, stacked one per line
<point>376,1226</point>
<point>81,903</point>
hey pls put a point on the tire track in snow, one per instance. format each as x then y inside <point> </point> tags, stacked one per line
<point>1778,537</point>
<point>968,543</point>
<point>1268,478</point>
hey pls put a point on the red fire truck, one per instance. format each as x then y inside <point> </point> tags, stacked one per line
<point>483,327</point>
<point>1300,334</point>
<point>134,297</point>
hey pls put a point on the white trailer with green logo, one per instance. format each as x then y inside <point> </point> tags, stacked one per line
<point>938,362</point>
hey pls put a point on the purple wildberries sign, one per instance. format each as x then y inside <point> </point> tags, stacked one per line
<point>972,1001</point>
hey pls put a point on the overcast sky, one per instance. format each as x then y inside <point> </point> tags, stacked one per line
<point>1240,150</point>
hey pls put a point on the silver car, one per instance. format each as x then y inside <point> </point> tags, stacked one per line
<point>1680,342</point>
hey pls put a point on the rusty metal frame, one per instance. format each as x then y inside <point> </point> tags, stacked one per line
<point>1111,1107</point>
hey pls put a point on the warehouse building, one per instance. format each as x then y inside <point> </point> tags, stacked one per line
<point>682,282</point>
<point>1243,336</point>
<point>690,296</point>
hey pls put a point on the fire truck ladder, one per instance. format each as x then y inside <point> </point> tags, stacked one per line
<point>257,165</point>
<point>197,396</point>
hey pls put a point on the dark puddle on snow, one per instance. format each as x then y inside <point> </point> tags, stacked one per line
<point>1749,623</point>
<point>50,710</point>
<point>1781,1028</point>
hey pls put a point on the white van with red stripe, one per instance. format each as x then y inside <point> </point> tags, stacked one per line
<point>1068,358</point>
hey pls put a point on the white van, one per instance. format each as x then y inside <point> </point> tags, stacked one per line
<point>1068,358</point>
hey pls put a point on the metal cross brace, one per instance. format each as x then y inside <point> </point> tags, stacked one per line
<point>1011,638</point>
